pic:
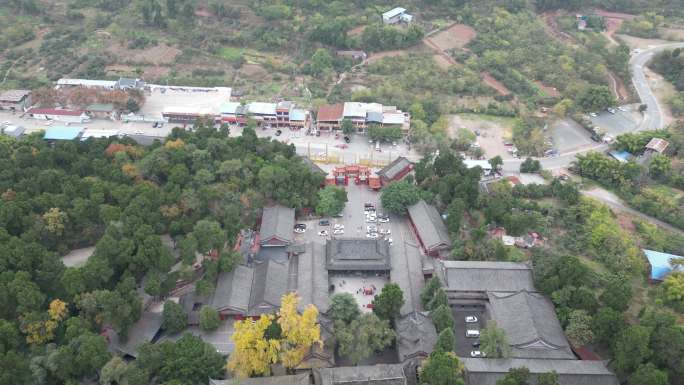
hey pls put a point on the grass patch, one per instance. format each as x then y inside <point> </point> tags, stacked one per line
<point>230,53</point>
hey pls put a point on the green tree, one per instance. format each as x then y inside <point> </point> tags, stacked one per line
<point>209,235</point>
<point>530,165</point>
<point>388,303</point>
<point>113,372</point>
<point>331,200</point>
<point>398,196</point>
<point>438,299</point>
<point>660,166</point>
<point>445,340</point>
<point>516,376</point>
<point>441,368</point>
<point>190,361</point>
<point>344,308</point>
<point>362,337</point>
<point>174,318</point>
<point>347,127</point>
<point>209,318</point>
<point>496,162</point>
<point>443,318</point>
<point>595,98</point>
<point>132,105</point>
<point>321,62</point>
<point>550,378</point>
<point>579,331</point>
<point>617,293</point>
<point>607,323</point>
<point>649,374</point>
<point>431,287</point>
<point>632,348</point>
<point>493,341</point>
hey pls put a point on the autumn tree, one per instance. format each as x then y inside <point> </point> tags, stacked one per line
<point>253,354</point>
<point>299,331</point>
<point>55,220</point>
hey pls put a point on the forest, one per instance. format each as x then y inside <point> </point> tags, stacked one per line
<point>200,188</point>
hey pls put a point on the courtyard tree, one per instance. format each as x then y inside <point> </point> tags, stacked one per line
<point>174,318</point>
<point>516,376</point>
<point>431,287</point>
<point>253,354</point>
<point>398,196</point>
<point>442,318</point>
<point>299,331</point>
<point>494,342</point>
<point>388,303</point>
<point>445,340</point>
<point>649,374</point>
<point>344,308</point>
<point>438,299</point>
<point>441,368</point>
<point>362,337</point>
<point>209,318</point>
<point>331,201</point>
<point>530,165</point>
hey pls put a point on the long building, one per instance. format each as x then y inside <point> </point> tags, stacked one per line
<point>362,116</point>
<point>429,227</point>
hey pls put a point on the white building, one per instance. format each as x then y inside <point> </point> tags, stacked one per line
<point>58,114</point>
<point>396,15</point>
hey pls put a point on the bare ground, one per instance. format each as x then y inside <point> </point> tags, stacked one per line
<point>456,36</point>
<point>157,55</point>
<point>497,85</point>
<point>379,55</point>
<point>551,91</point>
<point>494,133</point>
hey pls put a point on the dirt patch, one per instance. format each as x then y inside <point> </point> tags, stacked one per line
<point>625,222</point>
<point>155,72</point>
<point>442,62</point>
<point>356,31</point>
<point>497,85</point>
<point>445,60</point>
<point>494,132</point>
<point>379,55</point>
<point>618,87</point>
<point>676,34</point>
<point>253,71</point>
<point>614,15</point>
<point>456,36</point>
<point>548,90</point>
<point>552,26</point>
<point>203,12</point>
<point>157,55</point>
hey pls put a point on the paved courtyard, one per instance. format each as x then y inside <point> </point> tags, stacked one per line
<point>364,289</point>
<point>464,345</point>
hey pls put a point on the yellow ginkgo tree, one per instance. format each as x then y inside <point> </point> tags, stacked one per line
<point>255,352</point>
<point>42,331</point>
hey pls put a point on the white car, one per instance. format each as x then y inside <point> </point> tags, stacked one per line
<point>471,333</point>
<point>372,228</point>
<point>593,114</point>
<point>323,233</point>
<point>372,235</point>
<point>140,133</point>
<point>385,232</point>
<point>371,219</point>
<point>623,109</point>
<point>338,226</point>
<point>477,354</point>
<point>390,241</point>
<point>338,232</point>
<point>299,230</point>
<point>610,110</point>
<point>383,219</point>
<point>470,319</point>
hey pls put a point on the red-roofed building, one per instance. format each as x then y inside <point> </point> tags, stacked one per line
<point>329,117</point>
<point>59,114</point>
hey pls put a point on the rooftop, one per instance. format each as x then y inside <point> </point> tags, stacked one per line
<point>416,336</point>
<point>140,332</point>
<point>486,276</point>
<point>296,379</point>
<point>229,107</point>
<point>395,168</point>
<point>328,112</point>
<point>277,223</point>
<point>357,255</point>
<point>657,145</point>
<point>360,110</point>
<point>258,108</point>
<point>393,118</point>
<point>86,83</point>
<point>620,156</point>
<point>660,263</point>
<point>101,107</point>
<point>54,111</point>
<point>62,133</point>
<point>14,95</point>
<point>98,133</point>
<point>483,164</point>
<point>429,225</point>
<point>312,277</point>
<point>393,13</point>
<point>297,115</point>
<point>382,374</point>
<point>530,323</point>
<point>570,372</point>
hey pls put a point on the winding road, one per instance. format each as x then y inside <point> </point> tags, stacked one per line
<point>652,117</point>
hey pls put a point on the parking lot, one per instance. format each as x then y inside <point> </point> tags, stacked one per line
<point>464,345</point>
<point>618,123</point>
<point>568,135</point>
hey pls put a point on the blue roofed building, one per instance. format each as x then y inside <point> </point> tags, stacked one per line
<point>62,133</point>
<point>620,156</point>
<point>660,264</point>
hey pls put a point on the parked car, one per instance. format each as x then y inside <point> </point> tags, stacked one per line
<point>372,228</point>
<point>323,233</point>
<point>477,354</point>
<point>324,222</point>
<point>593,114</point>
<point>622,108</point>
<point>390,240</point>
<point>372,235</point>
<point>347,139</point>
<point>470,319</point>
<point>338,231</point>
<point>299,230</point>
<point>611,110</point>
<point>383,219</point>
<point>472,333</point>
<point>338,226</point>
<point>476,344</point>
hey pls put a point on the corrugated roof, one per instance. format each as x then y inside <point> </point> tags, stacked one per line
<point>270,283</point>
<point>62,133</point>
<point>657,144</point>
<point>14,96</point>
<point>277,222</point>
<point>259,108</point>
<point>393,118</point>
<point>484,164</point>
<point>54,111</point>
<point>101,107</point>
<point>359,110</point>
<point>297,115</point>
<point>393,13</point>
<point>660,263</point>
<point>429,225</point>
<point>486,276</point>
<point>330,113</point>
<point>570,372</point>
<point>374,116</point>
<point>86,83</point>
<point>144,330</point>
<point>98,133</point>
<point>229,107</point>
<point>530,323</point>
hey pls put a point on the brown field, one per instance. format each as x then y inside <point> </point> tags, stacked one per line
<point>442,61</point>
<point>497,85</point>
<point>253,71</point>
<point>456,36</point>
<point>379,55</point>
<point>551,91</point>
<point>161,54</point>
<point>356,30</point>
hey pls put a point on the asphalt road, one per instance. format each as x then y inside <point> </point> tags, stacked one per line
<point>653,116</point>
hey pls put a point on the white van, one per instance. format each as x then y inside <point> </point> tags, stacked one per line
<point>377,146</point>
<point>472,333</point>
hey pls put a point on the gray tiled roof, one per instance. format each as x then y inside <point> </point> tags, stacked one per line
<point>381,374</point>
<point>570,372</point>
<point>312,277</point>
<point>393,169</point>
<point>144,330</point>
<point>486,276</point>
<point>530,323</point>
<point>316,169</point>
<point>429,225</point>
<point>358,254</point>
<point>416,336</point>
<point>296,379</point>
<point>268,287</point>
<point>277,222</point>
<point>233,289</point>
